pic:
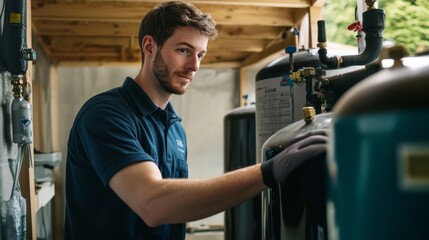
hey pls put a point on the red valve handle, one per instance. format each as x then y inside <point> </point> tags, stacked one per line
<point>356,26</point>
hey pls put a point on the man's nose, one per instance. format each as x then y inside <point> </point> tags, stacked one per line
<point>193,62</point>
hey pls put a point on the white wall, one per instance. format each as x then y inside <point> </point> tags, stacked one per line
<point>8,149</point>
<point>212,93</point>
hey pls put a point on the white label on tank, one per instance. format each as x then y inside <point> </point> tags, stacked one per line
<point>274,108</point>
<point>414,166</point>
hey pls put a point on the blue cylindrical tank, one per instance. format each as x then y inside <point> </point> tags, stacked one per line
<point>380,146</point>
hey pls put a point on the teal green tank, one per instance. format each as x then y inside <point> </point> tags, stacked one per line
<point>380,150</point>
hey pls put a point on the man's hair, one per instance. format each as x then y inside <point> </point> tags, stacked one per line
<point>166,17</point>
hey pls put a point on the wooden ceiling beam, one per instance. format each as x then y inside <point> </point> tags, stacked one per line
<point>237,45</point>
<point>116,62</point>
<point>80,44</point>
<point>267,3</point>
<point>317,3</point>
<point>115,12</point>
<point>114,51</point>
<point>261,3</point>
<point>254,16</point>
<point>107,30</point>
<point>273,49</point>
<point>133,56</point>
<point>75,28</point>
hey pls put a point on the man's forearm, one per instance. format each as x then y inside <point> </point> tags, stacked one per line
<point>183,200</point>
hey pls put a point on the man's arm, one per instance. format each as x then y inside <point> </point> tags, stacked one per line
<point>160,201</point>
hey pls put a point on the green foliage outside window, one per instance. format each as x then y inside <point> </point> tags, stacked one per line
<point>407,22</point>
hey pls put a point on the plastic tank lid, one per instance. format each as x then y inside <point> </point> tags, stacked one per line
<point>390,89</point>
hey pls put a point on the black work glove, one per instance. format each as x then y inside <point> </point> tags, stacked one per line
<point>299,150</point>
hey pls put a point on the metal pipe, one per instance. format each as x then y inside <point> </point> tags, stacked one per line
<point>335,86</point>
<point>373,26</point>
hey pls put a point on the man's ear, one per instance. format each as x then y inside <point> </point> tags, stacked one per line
<point>148,45</point>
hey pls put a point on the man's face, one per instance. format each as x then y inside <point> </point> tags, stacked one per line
<point>162,74</point>
<point>178,60</point>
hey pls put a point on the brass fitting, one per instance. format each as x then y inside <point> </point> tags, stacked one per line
<point>370,4</point>
<point>339,61</point>
<point>17,85</point>
<point>309,71</point>
<point>322,45</point>
<point>296,76</point>
<point>396,53</point>
<point>308,113</point>
<point>302,73</point>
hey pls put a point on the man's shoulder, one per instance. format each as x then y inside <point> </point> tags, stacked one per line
<point>108,98</point>
<point>106,104</point>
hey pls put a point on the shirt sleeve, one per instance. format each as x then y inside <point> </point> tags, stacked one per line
<point>109,137</point>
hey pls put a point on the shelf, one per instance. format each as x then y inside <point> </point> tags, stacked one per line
<point>44,192</point>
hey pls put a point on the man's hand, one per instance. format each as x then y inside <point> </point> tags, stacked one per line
<point>299,150</point>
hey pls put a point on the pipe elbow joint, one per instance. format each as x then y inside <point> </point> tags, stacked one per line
<point>373,26</point>
<point>330,62</point>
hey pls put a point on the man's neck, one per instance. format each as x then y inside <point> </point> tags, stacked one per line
<point>153,89</point>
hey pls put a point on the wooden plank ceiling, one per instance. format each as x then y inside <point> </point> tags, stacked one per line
<point>97,31</point>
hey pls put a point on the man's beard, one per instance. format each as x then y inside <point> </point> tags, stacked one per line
<point>162,74</point>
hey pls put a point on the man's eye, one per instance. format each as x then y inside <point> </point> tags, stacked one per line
<point>184,50</point>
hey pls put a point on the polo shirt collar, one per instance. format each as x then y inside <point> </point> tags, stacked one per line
<point>142,101</point>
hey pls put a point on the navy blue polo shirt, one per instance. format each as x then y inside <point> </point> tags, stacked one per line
<point>112,130</point>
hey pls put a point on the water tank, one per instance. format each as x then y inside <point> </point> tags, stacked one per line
<point>279,100</point>
<point>298,209</point>
<point>380,146</point>
<point>242,222</point>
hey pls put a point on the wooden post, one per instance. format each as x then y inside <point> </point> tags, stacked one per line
<point>26,177</point>
<point>243,84</point>
<point>58,201</point>
<point>314,14</point>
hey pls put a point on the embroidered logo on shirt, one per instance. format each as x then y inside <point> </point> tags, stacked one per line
<point>180,145</point>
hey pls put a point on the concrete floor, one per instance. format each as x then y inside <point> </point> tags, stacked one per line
<point>205,236</point>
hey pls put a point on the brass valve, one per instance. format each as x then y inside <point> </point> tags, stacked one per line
<point>302,73</point>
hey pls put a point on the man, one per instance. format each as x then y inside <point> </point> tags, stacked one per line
<point>126,160</point>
